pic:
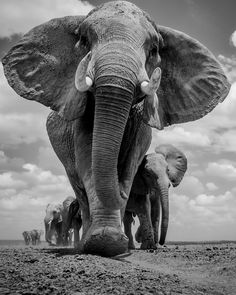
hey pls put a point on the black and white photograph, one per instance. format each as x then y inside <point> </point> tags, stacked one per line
<point>117,147</point>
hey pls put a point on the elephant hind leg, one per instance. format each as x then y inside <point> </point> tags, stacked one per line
<point>138,235</point>
<point>128,220</point>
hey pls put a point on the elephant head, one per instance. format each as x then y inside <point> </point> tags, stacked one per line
<point>53,223</point>
<point>99,70</point>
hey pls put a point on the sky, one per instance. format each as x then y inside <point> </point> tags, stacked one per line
<point>203,206</point>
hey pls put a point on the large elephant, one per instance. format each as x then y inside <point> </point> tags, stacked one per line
<point>27,237</point>
<point>150,193</point>
<point>109,77</point>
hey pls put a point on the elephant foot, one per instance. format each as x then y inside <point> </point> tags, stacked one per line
<point>148,245</point>
<point>106,241</point>
<point>131,245</point>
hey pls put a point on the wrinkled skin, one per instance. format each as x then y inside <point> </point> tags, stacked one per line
<point>150,194</point>
<point>26,236</point>
<point>109,77</point>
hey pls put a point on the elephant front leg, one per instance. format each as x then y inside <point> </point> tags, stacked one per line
<point>104,236</point>
<point>145,232</point>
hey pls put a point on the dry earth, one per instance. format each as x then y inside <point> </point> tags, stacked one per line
<point>175,269</point>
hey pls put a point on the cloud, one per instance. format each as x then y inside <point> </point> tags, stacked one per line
<point>222,170</point>
<point>225,141</point>
<point>211,186</point>
<point>48,160</point>
<point>229,66</point>
<point>190,186</point>
<point>233,38</point>
<point>7,181</point>
<point>7,163</point>
<point>179,136</point>
<point>206,217</point>
<point>14,19</point>
<point>18,128</point>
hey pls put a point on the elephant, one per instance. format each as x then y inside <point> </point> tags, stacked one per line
<point>58,225</point>
<point>35,235</point>
<point>74,223</point>
<point>150,193</point>
<point>109,78</point>
<point>27,237</point>
<point>53,224</point>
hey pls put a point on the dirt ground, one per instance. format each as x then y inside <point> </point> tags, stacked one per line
<point>175,269</point>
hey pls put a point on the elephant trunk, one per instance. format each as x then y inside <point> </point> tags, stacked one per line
<point>49,230</point>
<point>164,197</point>
<point>113,100</point>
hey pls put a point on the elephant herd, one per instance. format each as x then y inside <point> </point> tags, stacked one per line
<point>149,200</point>
<point>62,221</point>
<point>32,236</point>
<point>109,78</point>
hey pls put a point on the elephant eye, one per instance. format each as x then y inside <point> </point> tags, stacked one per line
<point>84,42</point>
<point>153,52</point>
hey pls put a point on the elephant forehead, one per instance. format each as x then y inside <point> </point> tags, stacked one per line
<point>53,207</point>
<point>116,8</point>
<point>154,161</point>
<point>119,14</point>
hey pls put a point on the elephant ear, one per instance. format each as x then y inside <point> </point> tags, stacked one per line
<point>73,210</point>
<point>42,66</point>
<point>192,83</point>
<point>66,203</point>
<point>176,160</point>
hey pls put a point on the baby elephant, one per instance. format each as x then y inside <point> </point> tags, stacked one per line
<point>150,193</point>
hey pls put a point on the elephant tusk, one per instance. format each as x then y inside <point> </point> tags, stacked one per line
<point>150,88</point>
<point>82,81</point>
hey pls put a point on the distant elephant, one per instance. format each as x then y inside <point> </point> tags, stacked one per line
<point>74,222</point>
<point>27,237</point>
<point>53,224</point>
<point>150,193</point>
<point>35,236</point>
<point>57,229</point>
<point>109,77</point>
